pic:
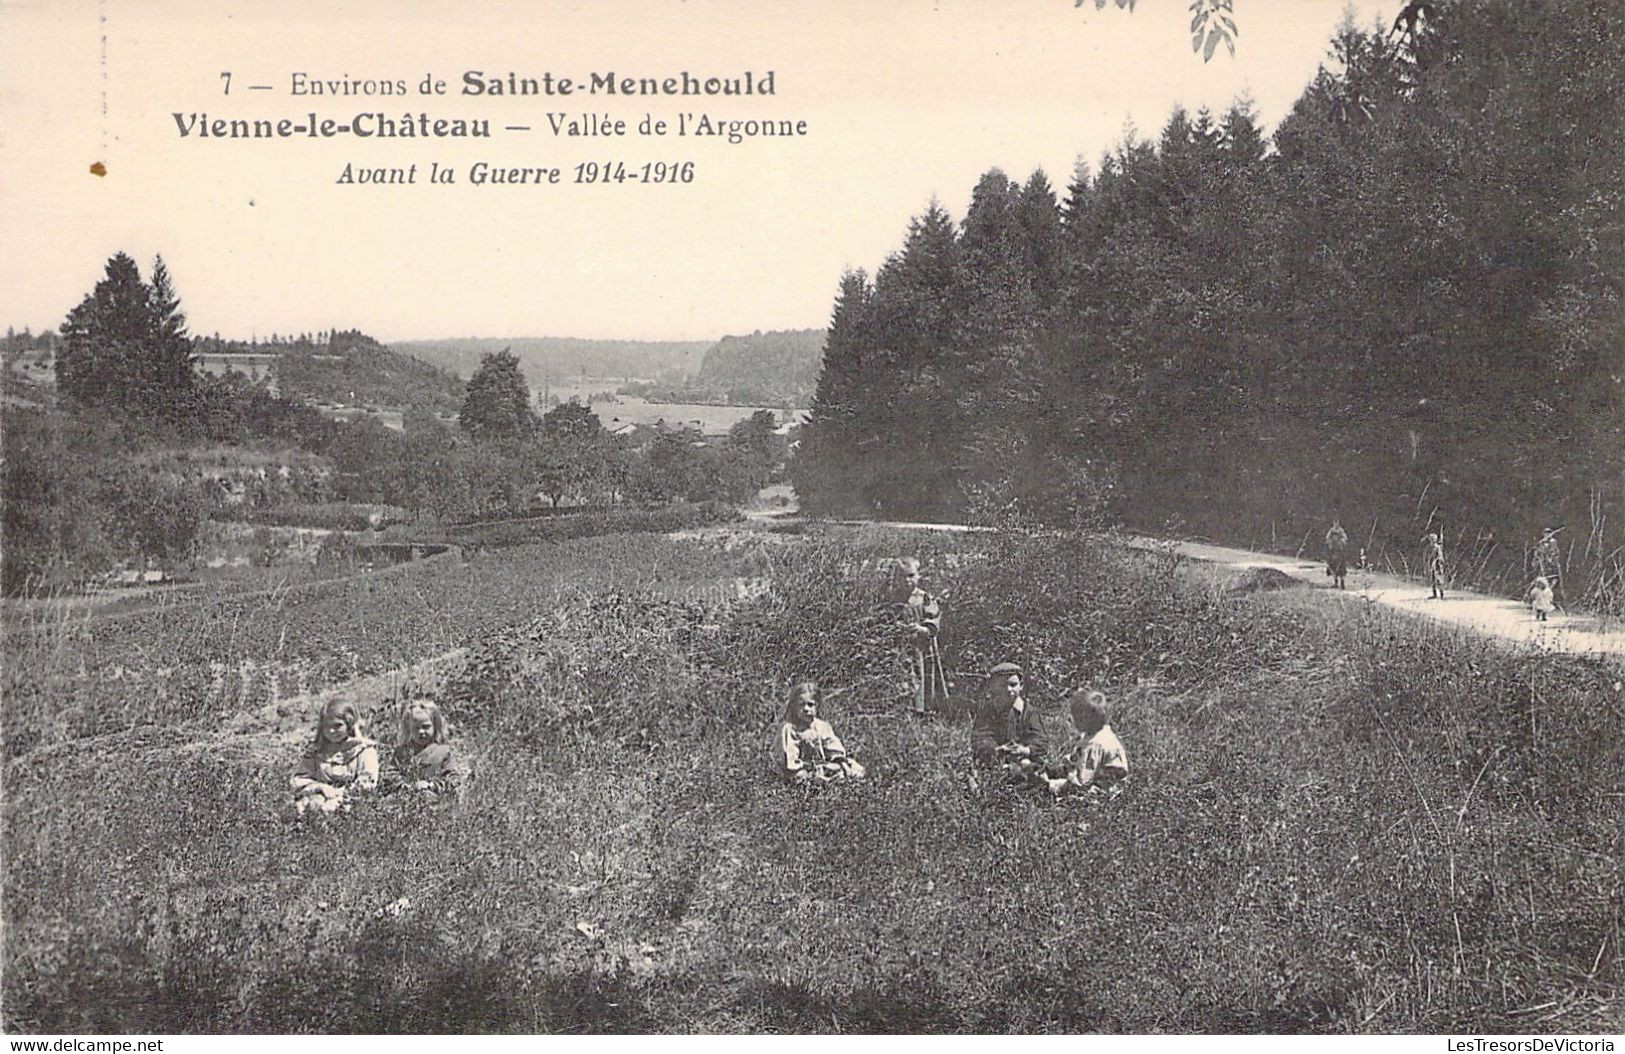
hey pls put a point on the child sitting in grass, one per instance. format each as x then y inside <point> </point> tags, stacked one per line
<point>1098,759</point>
<point>806,748</point>
<point>339,763</point>
<point>422,759</point>
<point>1005,730</point>
<point>1540,598</point>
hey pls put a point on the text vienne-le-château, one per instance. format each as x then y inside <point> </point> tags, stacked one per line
<point>379,123</point>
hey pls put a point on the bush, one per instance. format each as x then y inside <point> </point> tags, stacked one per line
<point>589,523</point>
<point>74,508</point>
<point>333,515</point>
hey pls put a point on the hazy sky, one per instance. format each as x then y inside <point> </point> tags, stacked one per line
<point>903,100</point>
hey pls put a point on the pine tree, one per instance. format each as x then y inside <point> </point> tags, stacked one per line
<point>1239,135</point>
<point>106,338</point>
<point>906,428</point>
<point>825,457</point>
<point>171,357</point>
<point>1002,305</point>
<point>1040,220</point>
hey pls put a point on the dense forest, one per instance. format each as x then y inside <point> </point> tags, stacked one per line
<point>1402,309</point>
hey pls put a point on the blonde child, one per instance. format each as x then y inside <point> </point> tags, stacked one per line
<point>422,759</point>
<point>340,762</point>
<point>1540,598</point>
<point>1098,759</point>
<point>806,748</point>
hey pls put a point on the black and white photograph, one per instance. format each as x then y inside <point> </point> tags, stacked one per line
<point>814,517</point>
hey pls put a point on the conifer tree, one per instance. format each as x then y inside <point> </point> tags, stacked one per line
<point>827,440</point>
<point>106,338</point>
<point>172,357</point>
<point>1040,220</point>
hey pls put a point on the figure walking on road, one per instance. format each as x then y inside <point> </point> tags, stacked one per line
<point>1549,560</point>
<point>1433,560</point>
<point>1337,553</point>
<point>1540,598</point>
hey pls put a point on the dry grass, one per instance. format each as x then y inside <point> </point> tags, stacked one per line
<point>1338,821</point>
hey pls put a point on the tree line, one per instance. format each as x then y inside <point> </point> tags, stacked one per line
<point>1403,308</point>
<point>130,461</point>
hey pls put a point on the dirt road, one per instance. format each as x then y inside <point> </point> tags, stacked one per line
<point>1497,617</point>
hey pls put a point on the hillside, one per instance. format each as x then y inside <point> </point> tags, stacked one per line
<point>344,366</point>
<point>764,368</point>
<point>543,358</point>
<point>1330,808</point>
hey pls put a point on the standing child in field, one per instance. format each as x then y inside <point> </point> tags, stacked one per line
<point>339,763</point>
<point>1098,759</point>
<point>922,619</point>
<point>806,748</point>
<point>1540,598</point>
<point>1433,560</point>
<point>422,759</point>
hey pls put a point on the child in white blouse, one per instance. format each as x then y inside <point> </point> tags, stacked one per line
<point>339,763</point>
<point>806,747</point>
<point>1098,758</point>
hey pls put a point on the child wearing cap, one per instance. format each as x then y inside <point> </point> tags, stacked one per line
<point>1005,728</point>
<point>1098,759</point>
<point>806,748</point>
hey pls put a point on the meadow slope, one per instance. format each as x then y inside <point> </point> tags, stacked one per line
<point>1339,820</point>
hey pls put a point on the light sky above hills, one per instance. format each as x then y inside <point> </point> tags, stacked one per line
<point>903,101</point>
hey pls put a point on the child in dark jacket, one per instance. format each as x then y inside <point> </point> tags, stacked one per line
<point>423,760</point>
<point>1006,729</point>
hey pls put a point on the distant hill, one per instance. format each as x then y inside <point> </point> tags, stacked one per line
<point>344,366</point>
<point>765,369</point>
<point>551,358</point>
<point>762,369</point>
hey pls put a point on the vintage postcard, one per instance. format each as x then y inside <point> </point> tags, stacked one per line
<point>707,516</point>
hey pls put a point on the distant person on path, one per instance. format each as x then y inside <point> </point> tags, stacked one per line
<point>1549,558</point>
<point>1097,759</point>
<point>1005,729</point>
<point>339,763</point>
<point>1433,561</point>
<point>922,617</point>
<point>1540,598</point>
<point>806,749</point>
<point>1337,553</point>
<point>422,759</point>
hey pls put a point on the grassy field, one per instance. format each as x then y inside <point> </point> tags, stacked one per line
<point>1338,821</point>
